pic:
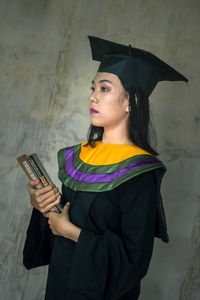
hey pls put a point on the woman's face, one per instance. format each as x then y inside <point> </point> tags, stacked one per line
<point>109,100</point>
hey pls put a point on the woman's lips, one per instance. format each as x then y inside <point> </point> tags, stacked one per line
<point>93,111</point>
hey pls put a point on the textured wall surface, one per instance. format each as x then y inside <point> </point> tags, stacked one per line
<point>45,74</point>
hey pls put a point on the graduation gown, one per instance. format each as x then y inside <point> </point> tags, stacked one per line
<point>114,194</point>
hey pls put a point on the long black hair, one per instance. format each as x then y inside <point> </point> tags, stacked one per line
<point>140,134</point>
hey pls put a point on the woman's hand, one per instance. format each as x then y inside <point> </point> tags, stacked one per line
<point>60,224</point>
<point>45,198</point>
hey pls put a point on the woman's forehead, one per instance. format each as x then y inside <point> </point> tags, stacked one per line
<point>114,79</point>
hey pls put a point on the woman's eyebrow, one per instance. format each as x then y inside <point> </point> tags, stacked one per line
<point>102,80</point>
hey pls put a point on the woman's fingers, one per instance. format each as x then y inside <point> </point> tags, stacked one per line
<point>49,206</point>
<point>46,215</point>
<point>45,198</point>
<point>48,194</point>
<point>44,190</point>
<point>31,185</point>
<point>49,200</point>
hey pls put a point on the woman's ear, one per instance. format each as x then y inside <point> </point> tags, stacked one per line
<point>135,98</point>
<point>128,107</point>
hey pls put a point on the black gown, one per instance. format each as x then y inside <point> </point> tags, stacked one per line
<point>115,245</point>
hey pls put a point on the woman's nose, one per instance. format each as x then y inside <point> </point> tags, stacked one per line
<point>94,97</point>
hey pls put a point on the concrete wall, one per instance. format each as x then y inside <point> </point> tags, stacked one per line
<point>45,74</point>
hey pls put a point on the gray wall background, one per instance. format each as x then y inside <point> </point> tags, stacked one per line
<point>45,75</point>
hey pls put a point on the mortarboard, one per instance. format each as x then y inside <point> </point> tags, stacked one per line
<point>137,69</point>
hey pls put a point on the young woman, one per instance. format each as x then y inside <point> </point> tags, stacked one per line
<point>101,244</point>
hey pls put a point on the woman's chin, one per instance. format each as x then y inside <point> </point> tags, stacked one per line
<point>95,123</point>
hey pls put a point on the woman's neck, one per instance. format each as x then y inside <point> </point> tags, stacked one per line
<point>116,136</point>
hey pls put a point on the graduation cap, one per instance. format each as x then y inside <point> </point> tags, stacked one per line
<point>137,69</point>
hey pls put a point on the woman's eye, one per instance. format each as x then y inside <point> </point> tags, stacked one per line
<point>105,89</point>
<point>92,88</point>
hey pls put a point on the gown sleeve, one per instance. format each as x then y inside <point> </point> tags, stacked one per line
<point>38,243</point>
<point>111,264</point>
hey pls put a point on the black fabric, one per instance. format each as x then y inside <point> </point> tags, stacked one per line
<point>114,248</point>
<point>39,242</point>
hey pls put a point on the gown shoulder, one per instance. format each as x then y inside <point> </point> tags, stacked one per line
<point>103,167</point>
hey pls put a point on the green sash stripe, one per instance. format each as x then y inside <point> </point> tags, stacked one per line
<point>90,169</point>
